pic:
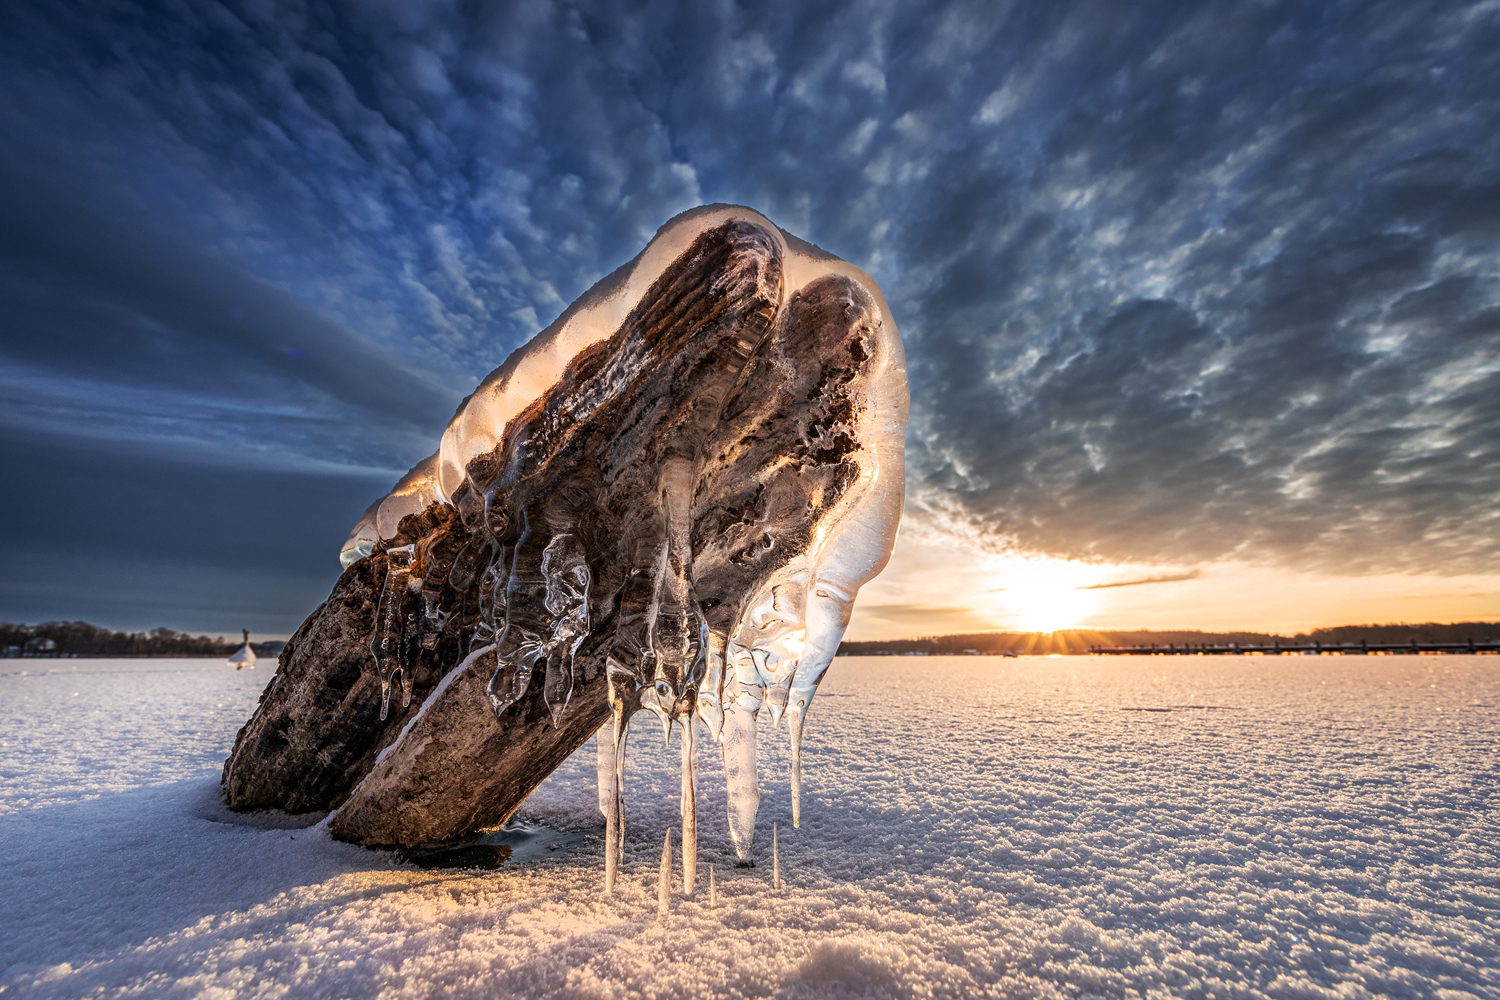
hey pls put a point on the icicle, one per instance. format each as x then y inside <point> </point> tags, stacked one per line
<point>390,620</point>
<point>664,879</point>
<point>604,745</point>
<point>567,601</point>
<point>624,669</point>
<point>742,700</point>
<point>641,628</point>
<point>713,889</point>
<point>679,639</point>
<point>546,620</point>
<point>437,565</point>
<point>411,638</point>
<point>796,719</point>
<point>519,645</point>
<point>679,633</point>
<point>614,825</point>
<point>775,859</point>
<point>471,563</point>
<point>651,699</point>
<point>624,702</point>
<point>710,698</point>
<point>827,615</point>
<point>491,592</point>
<point>434,617</point>
<point>739,779</point>
<point>689,804</point>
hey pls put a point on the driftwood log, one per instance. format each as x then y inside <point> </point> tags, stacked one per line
<point>759,390</point>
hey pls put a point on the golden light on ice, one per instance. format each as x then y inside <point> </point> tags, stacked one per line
<point>1044,594</point>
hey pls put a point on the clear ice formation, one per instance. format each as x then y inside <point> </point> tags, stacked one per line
<point>704,451</point>
<point>664,878</point>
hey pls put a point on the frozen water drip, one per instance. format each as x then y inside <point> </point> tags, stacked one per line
<point>689,805</point>
<point>390,622</point>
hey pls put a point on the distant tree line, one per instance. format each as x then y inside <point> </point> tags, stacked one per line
<point>83,639</point>
<point>1082,640</point>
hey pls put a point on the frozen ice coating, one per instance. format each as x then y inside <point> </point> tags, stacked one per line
<point>546,619</point>
<point>413,493</point>
<point>363,538</point>
<point>416,491</point>
<point>689,475</point>
<point>391,631</point>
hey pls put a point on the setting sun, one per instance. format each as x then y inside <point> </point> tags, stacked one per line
<point>1045,594</point>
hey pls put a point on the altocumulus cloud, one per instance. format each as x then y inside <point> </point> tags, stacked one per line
<point>1178,281</point>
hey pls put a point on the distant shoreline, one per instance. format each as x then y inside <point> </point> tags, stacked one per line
<point>130,656</point>
<point>81,640</point>
<point>1074,642</point>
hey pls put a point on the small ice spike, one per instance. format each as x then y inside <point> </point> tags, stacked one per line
<point>795,717</point>
<point>775,859</point>
<point>664,879</point>
<point>614,826</point>
<point>604,741</point>
<point>689,804</point>
<point>713,890</point>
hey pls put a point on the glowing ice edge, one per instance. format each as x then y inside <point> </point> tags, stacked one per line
<point>851,546</point>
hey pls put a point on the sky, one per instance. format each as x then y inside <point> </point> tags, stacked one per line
<point>1201,301</point>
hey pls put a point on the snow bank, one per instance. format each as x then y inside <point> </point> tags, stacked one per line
<point>1224,827</point>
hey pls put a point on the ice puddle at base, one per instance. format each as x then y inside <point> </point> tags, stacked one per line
<point>705,452</point>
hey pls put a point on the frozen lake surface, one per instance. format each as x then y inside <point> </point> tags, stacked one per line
<point>1290,827</point>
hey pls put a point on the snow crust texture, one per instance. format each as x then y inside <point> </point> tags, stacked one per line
<point>975,827</point>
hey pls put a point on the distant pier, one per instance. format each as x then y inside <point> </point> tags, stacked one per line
<point>1300,649</point>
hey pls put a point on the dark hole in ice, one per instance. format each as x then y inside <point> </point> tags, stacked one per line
<point>486,856</point>
<point>514,843</point>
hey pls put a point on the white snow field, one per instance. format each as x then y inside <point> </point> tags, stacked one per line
<point>1170,826</point>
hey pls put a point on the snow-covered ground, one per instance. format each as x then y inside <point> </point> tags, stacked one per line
<point>1223,827</point>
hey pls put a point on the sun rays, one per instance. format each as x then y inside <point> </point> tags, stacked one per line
<point>1046,595</point>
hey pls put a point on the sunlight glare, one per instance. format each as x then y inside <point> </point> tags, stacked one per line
<point>1044,593</point>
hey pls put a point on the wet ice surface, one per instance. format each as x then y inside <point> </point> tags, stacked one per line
<point>971,826</point>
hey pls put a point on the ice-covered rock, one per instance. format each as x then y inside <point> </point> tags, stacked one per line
<point>667,500</point>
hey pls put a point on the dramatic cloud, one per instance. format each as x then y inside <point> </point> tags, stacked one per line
<point>1179,282</point>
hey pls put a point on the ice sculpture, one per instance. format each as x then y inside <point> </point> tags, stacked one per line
<point>668,500</point>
